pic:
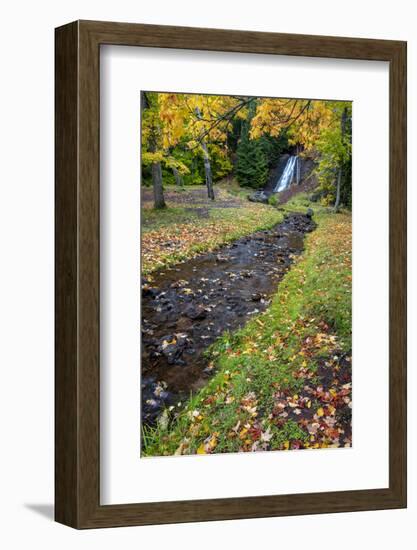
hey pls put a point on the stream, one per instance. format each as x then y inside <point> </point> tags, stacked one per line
<point>187,307</point>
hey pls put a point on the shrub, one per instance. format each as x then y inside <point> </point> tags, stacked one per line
<point>273,200</point>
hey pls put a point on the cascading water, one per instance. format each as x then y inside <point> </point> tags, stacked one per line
<point>287,175</point>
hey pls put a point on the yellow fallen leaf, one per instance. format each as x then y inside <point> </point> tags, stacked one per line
<point>201,450</point>
<point>167,343</point>
<point>212,443</point>
<point>320,412</point>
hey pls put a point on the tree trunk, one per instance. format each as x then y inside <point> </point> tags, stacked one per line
<point>340,172</point>
<point>297,167</point>
<point>144,103</point>
<point>158,192</point>
<point>177,176</point>
<point>207,165</point>
<point>207,170</point>
<point>339,181</point>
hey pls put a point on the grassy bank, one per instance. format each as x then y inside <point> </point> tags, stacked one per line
<point>283,381</point>
<point>185,229</point>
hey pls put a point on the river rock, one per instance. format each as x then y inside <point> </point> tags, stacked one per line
<point>196,312</point>
<point>148,290</point>
<point>258,196</point>
<point>184,323</point>
<point>208,371</point>
<point>173,346</point>
<point>155,398</point>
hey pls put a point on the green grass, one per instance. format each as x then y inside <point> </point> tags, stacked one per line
<point>234,189</point>
<point>301,202</point>
<point>152,219</point>
<point>268,354</point>
<point>187,233</point>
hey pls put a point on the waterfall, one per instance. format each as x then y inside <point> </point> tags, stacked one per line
<point>287,175</point>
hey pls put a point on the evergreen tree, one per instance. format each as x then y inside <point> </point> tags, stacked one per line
<point>251,164</point>
<point>273,146</point>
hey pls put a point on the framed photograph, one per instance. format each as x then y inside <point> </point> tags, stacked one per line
<point>230,274</point>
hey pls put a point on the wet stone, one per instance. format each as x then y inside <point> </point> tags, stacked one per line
<point>173,346</point>
<point>197,312</point>
<point>149,291</point>
<point>155,397</point>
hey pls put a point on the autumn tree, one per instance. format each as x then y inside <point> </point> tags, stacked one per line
<point>335,150</point>
<point>206,157</point>
<point>150,138</point>
<point>203,122</point>
<point>303,120</point>
<point>155,146</point>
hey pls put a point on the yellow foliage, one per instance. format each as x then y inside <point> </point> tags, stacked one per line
<point>304,119</point>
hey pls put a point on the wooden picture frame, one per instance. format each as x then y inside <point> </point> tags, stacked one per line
<point>77,406</point>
